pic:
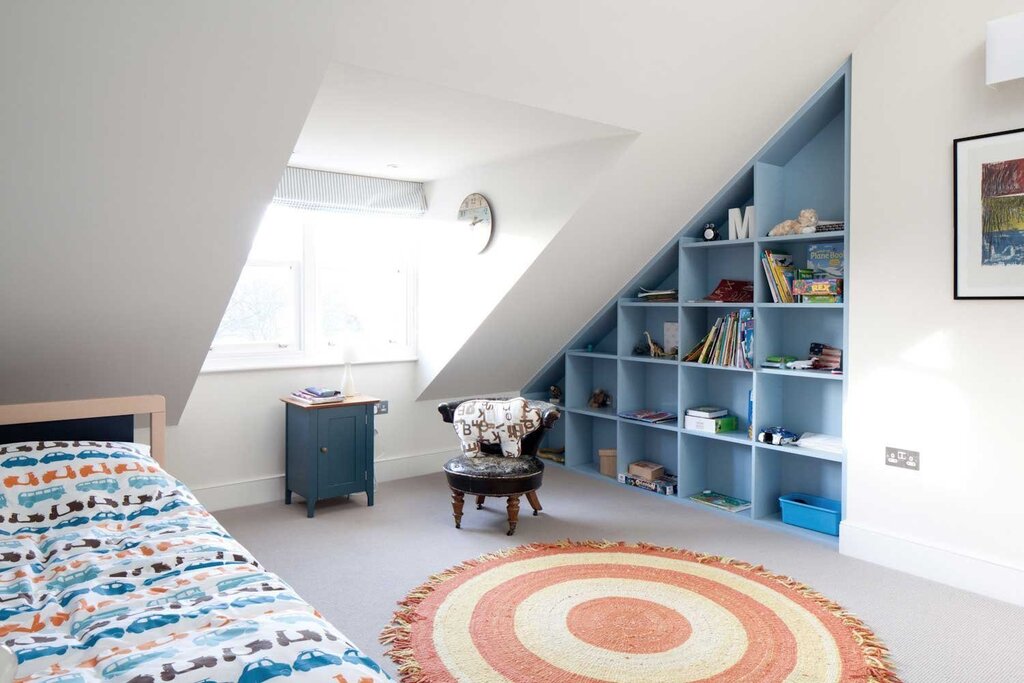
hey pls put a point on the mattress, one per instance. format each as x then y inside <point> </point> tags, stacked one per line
<point>111,570</point>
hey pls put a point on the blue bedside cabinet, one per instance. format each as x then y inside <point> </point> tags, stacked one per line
<point>328,450</point>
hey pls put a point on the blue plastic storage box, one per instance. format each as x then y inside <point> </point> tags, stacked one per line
<point>811,512</point>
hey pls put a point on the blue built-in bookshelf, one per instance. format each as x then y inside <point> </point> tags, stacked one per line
<point>805,165</point>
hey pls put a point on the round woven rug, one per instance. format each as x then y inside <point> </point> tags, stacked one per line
<point>581,612</point>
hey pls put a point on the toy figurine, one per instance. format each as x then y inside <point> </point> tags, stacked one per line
<point>555,394</point>
<point>600,399</point>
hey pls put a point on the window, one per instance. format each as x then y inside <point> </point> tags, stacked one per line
<point>321,288</point>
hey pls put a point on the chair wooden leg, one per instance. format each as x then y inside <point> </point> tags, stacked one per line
<point>480,502</point>
<point>513,514</point>
<point>458,500</point>
<point>534,502</point>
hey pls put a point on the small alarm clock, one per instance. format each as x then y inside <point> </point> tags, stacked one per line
<point>710,232</point>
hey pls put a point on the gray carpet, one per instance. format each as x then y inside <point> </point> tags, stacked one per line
<point>353,563</point>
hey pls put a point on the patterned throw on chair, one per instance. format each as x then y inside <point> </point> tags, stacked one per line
<point>590,612</point>
<point>487,421</point>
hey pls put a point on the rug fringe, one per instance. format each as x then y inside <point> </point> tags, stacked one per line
<point>398,634</point>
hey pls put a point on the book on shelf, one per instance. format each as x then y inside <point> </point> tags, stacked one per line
<point>826,259</point>
<point>779,271</point>
<point>658,294</point>
<point>307,398</point>
<point>732,291</point>
<point>830,226</point>
<point>710,412</point>
<point>729,342</point>
<point>643,415</point>
<point>820,442</point>
<point>665,485</point>
<point>720,501</point>
<point>825,357</point>
<point>713,425</point>
<point>750,413</point>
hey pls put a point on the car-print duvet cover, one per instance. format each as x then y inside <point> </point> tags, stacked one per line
<point>110,570</point>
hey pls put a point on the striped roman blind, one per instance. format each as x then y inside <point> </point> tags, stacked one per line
<point>304,188</point>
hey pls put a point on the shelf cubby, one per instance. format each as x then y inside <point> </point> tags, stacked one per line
<point>716,465</point>
<point>779,472</point>
<point>584,436</point>
<point>789,331</point>
<point>635,320</point>
<point>586,374</point>
<point>650,386</point>
<point>638,441</point>
<point>698,387</point>
<point>799,403</point>
<point>702,269</point>
<point>804,165</point>
<point>695,322</point>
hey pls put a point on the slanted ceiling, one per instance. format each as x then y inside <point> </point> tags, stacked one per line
<point>704,85</point>
<point>141,143</point>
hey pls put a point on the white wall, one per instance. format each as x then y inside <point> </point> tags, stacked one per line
<point>141,142</point>
<point>229,445</point>
<point>531,198</point>
<point>926,372</point>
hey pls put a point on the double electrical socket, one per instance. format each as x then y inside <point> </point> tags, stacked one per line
<point>381,408</point>
<point>900,457</point>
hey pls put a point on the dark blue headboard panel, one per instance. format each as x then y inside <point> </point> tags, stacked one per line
<point>117,428</point>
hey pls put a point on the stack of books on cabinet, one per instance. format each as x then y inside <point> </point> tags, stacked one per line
<point>718,313</point>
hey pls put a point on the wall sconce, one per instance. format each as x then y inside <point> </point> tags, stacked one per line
<point>1004,49</point>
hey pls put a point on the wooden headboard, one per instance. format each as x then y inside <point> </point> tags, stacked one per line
<point>86,420</point>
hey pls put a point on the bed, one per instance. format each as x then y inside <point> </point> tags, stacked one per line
<point>111,570</point>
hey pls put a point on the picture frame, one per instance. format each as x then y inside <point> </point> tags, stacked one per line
<point>988,216</point>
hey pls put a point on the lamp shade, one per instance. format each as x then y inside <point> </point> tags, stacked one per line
<point>1004,49</point>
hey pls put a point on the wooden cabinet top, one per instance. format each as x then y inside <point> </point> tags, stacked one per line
<point>357,400</point>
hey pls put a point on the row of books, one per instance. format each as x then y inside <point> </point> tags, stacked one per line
<point>821,281</point>
<point>729,342</point>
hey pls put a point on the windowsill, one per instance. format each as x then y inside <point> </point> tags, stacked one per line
<point>253,362</point>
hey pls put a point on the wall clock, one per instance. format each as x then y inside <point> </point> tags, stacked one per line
<point>476,217</point>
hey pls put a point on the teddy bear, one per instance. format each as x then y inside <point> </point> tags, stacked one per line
<point>806,222</point>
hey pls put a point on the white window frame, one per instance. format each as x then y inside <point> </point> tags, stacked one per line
<point>312,350</point>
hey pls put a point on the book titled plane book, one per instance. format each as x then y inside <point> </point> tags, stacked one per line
<point>720,501</point>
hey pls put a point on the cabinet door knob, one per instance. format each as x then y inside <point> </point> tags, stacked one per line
<point>323,449</point>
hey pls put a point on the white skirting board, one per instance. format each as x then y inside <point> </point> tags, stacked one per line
<point>967,572</point>
<point>271,488</point>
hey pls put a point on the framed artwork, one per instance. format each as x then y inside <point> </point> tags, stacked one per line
<point>988,216</point>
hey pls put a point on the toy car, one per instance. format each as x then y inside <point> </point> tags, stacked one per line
<point>312,659</point>
<point>262,670</point>
<point>85,455</point>
<point>152,621</point>
<point>128,663</point>
<point>143,512</point>
<point>74,521</point>
<point>59,456</point>
<point>19,461</point>
<point>38,651</point>
<point>114,588</point>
